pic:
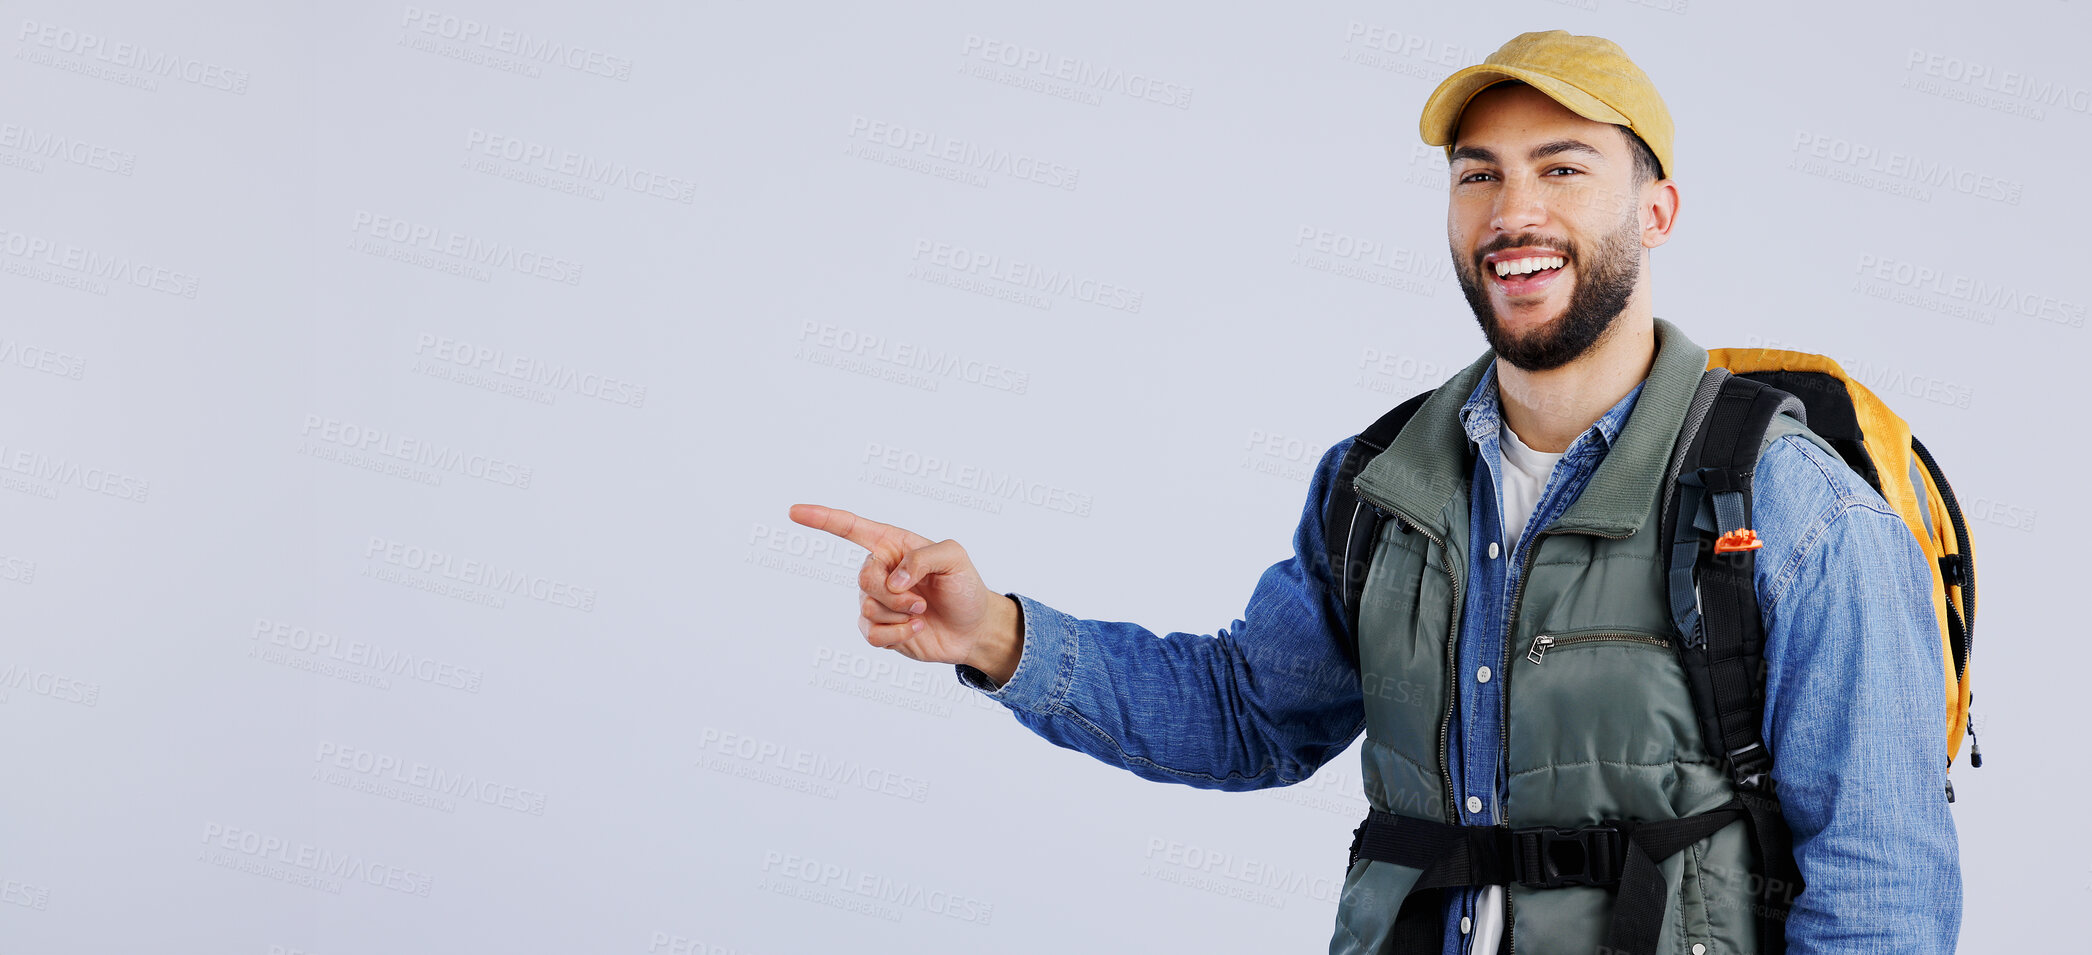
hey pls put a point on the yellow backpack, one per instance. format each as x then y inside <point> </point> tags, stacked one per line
<point>1877,443</point>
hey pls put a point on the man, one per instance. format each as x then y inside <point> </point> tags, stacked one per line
<point>1515,666</point>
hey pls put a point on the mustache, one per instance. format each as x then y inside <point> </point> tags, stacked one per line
<point>1568,249</point>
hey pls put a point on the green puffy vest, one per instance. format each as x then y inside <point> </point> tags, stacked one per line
<point>1602,727</point>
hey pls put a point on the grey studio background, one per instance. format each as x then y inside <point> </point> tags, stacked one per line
<point>403,403</point>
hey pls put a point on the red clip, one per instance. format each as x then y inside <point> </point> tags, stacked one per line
<point>1739,539</point>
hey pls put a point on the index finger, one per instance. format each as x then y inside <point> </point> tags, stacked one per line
<point>862,531</point>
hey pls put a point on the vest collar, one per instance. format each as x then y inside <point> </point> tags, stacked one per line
<point>1425,470</point>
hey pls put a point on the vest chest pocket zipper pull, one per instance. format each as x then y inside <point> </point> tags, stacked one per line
<point>1546,641</point>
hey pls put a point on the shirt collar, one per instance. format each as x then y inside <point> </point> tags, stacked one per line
<point>1482,414</point>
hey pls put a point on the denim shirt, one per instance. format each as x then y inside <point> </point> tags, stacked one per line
<point>1472,748</point>
<point>1854,699</point>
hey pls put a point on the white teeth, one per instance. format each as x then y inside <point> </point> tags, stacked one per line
<point>1522,266</point>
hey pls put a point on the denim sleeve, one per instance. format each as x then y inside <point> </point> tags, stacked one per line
<point>1855,710</point>
<point>1263,703</point>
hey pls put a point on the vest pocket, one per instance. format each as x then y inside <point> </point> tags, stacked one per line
<point>1548,641</point>
<point>1601,725</point>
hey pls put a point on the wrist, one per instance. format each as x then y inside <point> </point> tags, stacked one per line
<point>1001,643</point>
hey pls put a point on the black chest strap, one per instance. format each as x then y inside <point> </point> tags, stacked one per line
<point>1613,854</point>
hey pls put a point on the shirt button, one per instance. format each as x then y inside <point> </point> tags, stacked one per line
<point>1474,804</point>
<point>1482,675</point>
<point>1467,923</point>
<point>1699,949</point>
<point>1492,550</point>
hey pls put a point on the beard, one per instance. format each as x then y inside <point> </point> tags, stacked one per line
<point>1604,282</point>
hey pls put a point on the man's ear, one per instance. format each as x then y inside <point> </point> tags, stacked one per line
<point>1658,209</point>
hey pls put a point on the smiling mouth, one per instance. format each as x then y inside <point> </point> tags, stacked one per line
<point>1525,276</point>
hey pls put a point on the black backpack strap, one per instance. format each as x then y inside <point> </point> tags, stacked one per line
<point>1351,524</point>
<point>1726,633</point>
<point>1714,598</point>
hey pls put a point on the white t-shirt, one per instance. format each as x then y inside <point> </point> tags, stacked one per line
<point>1525,476</point>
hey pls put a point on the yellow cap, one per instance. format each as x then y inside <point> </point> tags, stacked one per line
<point>1590,75</point>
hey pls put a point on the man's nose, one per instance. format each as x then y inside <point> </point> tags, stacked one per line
<point>1519,206</point>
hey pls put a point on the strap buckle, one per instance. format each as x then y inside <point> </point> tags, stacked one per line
<point>1545,857</point>
<point>1751,768</point>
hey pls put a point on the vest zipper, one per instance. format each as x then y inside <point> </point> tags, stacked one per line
<point>1504,725</point>
<point>1503,746</point>
<point>1453,676</point>
<point>1547,641</point>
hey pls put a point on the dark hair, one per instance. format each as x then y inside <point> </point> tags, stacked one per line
<point>1646,168</point>
<point>1645,164</point>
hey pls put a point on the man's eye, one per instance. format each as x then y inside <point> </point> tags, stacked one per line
<point>1477,176</point>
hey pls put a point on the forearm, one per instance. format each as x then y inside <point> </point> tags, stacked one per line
<point>1263,703</point>
<point>1211,711</point>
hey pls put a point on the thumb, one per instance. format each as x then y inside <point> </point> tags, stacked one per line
<point>942,557</point>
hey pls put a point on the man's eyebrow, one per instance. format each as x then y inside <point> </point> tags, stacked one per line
<point>1539,152</point>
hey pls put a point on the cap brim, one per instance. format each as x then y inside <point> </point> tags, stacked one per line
<point>1441,119</point>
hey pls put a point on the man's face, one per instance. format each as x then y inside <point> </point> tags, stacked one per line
<point>1576,205</point>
